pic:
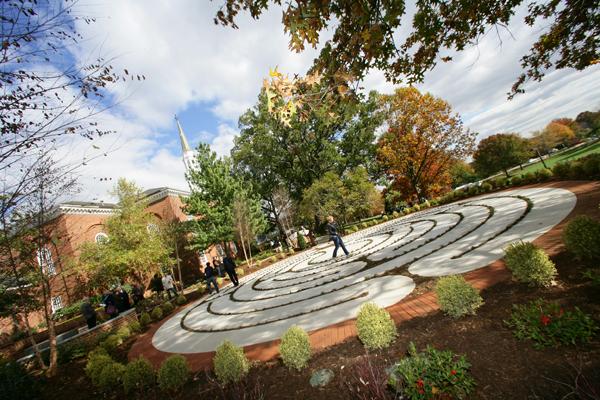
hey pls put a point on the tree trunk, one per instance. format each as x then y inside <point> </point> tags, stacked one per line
<point>506,172</point>
<point>244,249</point>
<point>47,295</point>
<point>34,345</point>
<point>178,264</point>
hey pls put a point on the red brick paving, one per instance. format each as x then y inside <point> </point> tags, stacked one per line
<point>411,307</point>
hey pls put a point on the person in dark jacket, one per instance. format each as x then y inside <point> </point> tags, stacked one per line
<point>110,304</point>
<point>137,293</point>
<point>229,265</point>
<point>156,285</point>
<point>88,313</point>
<point>122,298</point>
<point>332,230</point>
<point>209,275</point>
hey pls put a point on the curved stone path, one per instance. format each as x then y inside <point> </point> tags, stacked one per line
<point>314,291</point>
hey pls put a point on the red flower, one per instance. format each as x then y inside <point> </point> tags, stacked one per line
<point>453,372</point>
<point>420,383</point>
<point>545,320</point>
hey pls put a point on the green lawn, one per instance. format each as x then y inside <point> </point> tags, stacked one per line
<point>565,156</point>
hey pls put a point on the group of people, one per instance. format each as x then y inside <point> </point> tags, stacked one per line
<point>115,301</point>
<point>166,283</point>
<point>211,272</point>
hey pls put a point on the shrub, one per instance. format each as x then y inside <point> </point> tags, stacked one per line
<point>181,300</point>
<point>577,171</point>
<point>301,242</point>
<point>456,297</point>
<point>110,376</point>
<point>257,263</point>
<point>273,259</point>
<point>295,348</point>
<point>591,166</point>
<point>529,264</point>
<point>529,178</point>
<point>385,218</point>
<point>416,207</point>
<point>138,376</point>
<point>281,255</point>
<point>71,351</point>
<point>473,190</point>
<point>500,182</point>
<point>124,332</point>
<point>145,319</point>
<point>582,238</point>
<point>395,214</point>
<point>112,342</point>
<point>516,181</point>
<point>562,170</point>
<point>543,174</point>
<point>548,324</point>
<point>15,382</point>
<point>135,327</point>
<point>220,281</point>
<point>157,313</point>
<point>432,374</point>
<point>230,363</point>
<point>173,373</point>
<point>95,364</point>
<point>375,327</point>
<point>240,271</point>
<point>486,187</point>
<point>364,225</point>
<point>167,307</point>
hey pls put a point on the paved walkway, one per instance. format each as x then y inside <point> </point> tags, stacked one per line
<point>415,305</point>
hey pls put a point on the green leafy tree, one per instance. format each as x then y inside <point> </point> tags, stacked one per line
<point>214,187</point>
<point>365,34</point>
<point>249,221</point>
<point>462,173</point>
<point>135,249</point>
<point>589,121</point>
<point>499,153</point>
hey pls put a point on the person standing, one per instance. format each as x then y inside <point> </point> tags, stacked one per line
<point>169,285</point>
<point>122,299</point>
<point>88,313</point>
<point>229,265</point>
<point>209,275</point>
<point>332,230</point>
<point>137,293</point>
<point>110,304</point>
<point>156,285</point>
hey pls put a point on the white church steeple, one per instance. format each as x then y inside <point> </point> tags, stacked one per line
<point>187,152</point>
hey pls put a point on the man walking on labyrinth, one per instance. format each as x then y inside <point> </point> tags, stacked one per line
<point>332,230</point>
<point>230,269</point>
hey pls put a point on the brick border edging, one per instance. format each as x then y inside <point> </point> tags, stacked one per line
<point>406,309</point>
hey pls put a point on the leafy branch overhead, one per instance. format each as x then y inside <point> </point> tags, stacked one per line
<point>366,34</point>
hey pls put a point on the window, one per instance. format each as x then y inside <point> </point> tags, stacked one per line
<point>101,237</point>
<point>152,228</point>
<point>44,258</point>
<point>220,251</point>
<point>56,303</point>
<point>203,258</point>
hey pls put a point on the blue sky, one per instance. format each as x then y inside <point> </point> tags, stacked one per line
<point>208,75</point>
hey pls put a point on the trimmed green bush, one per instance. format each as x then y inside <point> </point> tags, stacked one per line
<point>364,225</point>
<point>145,319</point>
<point>529,178</point>
<point>301,242</point>
<point>591,166</point>
<point>167,307</point>
<point>376,329</point>
<point>111,343</point>
<point>416,207</point>
<point>516,181</point>
<point>110,376</point>
<point>456,297</point>
<point>220,281</point>
<point>138,376</point>
<point>543,175</point>
<point>135,327</point>
<point>181,300</point>
<point>240,271</point>
<point>173,373</point>
<point>432,374</point>
<point>486,187</point>
<point>529,264</point>
<point>230,363</point>
<point>295,348</point>
<point>385,218</point>
<point>157,313</point>
<point>395,214</point>
<point>562,170</point>
<point>95,363</point>
<point>273,259</point>
<point>124,332</point>
<point>582,238</point>
<point>473,190</point>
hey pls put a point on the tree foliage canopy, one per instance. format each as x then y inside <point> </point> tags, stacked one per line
<point>423,139</point>
<point>365,34</point>
<point>499,153</point>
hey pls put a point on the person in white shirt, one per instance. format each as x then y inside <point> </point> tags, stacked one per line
<point>169,285</point>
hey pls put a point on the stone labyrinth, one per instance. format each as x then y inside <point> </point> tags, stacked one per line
<point>313,291</point>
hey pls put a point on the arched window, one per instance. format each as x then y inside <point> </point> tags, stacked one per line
<point>44,258</point>
<point>101,237</point>
<point>203,258</point>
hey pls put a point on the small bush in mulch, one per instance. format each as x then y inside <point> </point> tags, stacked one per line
<point>543,175</point>
<point>124,332</point>
<point>295,348</point>
<point>15,382</point>
<point>368,380</point>
<point>486,187</point>
<point>376,329</point>
<point>97,360</point>
<point>145,319</point>
<point>111,343</point>
<point>230,363</point>
<point>157,313</point>
<point>139,376</point>
<point>173,373</point>
<point>135,327</point>
<point>456,297</point>
<point>240,271</point>
<point>549,324</point>
<point>432,374</point>
<point>530,264</point>
<point>167,307</point>
<point>180,300</point>
<point>582,238</point>
<point>110,376</point>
